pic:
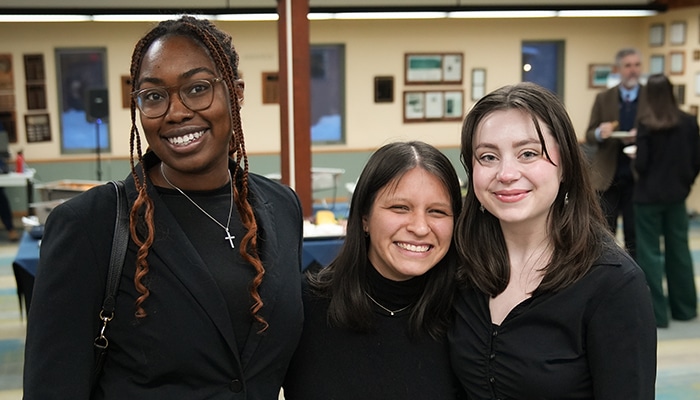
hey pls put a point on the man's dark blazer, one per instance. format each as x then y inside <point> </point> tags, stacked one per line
<point>185,348</point>
<point>606,108</point>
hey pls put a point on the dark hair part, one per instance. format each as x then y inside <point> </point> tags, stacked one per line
<point>219,46</point>
<point>576,229</point>
<point>662,108</point>
<point>344,281</point>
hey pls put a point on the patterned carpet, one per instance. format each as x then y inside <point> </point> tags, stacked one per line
<point>12,328</point>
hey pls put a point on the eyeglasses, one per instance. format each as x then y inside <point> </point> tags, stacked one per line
<point>196,95</point>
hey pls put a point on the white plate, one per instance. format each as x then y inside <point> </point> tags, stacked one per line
<point>620,134</point>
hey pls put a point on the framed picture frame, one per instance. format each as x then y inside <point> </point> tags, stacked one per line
<point>383,89</point>
<point>454,105</point>
<point>413,106</point>
<point>126,90</point>
<point>38,127</point>
<point>8,120</point>
<point>598,75</point>
<point>657,64</point>
<point>676,63</point>
<point>6,74</point>
<point>656,35</point>
<point>434,105</point>
<point>478,83</point>
<point>34,67</point>
<point>423,68</point>
<point>36,96</point>
<point>271,87</point>
<point>452,68</point>
<point>35,84</point>
<point>676,34</point>
<point>679,93</point>
<point>428,68</point>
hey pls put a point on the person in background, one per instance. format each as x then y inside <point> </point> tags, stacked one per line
<point>376,317</point>
<point>614,114</point>
<point>209,302</point>
<point>5,209</point>
<point>667,162</point>
<point>6,217</point>
<point>550,306</point>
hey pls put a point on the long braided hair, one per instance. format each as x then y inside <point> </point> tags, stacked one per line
<point>225,57</point>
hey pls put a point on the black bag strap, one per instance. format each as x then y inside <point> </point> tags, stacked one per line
<point>119,243</point>
<point>116,262</point>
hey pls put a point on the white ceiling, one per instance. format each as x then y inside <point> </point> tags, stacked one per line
<point>8,5</point>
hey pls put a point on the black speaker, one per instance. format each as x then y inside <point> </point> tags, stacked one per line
<point>96,104</point>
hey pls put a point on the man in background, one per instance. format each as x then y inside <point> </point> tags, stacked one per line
<point>612,127</point>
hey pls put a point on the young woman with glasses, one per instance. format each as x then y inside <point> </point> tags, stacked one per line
<point>209,301</point>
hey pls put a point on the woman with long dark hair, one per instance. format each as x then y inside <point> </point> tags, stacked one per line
<point>666,163</point>
<point>375,319</point>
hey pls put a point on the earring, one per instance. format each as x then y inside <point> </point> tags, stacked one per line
<point>566,198</point>
<point>481,208</point>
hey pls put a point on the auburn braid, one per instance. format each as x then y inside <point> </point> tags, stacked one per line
<point>225,57</point>
<point>143,200</point>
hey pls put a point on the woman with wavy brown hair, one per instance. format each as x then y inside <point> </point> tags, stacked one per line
<point>209,298</point>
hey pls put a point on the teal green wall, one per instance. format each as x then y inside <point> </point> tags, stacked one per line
<point>47,172</point>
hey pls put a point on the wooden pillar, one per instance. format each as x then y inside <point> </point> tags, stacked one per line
<point>295,100</point>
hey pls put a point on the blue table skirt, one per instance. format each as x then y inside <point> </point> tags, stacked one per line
<point>319,251</point>
<point>28,253</point>
<point>316,251</point>
<point>24,268</point>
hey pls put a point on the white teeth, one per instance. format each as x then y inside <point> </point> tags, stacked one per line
<point>185,139</point>
<point>414,248</point>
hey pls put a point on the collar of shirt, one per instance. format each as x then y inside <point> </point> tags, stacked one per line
<point>631,93</point>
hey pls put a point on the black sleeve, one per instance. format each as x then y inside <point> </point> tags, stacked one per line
<point>64,317</point>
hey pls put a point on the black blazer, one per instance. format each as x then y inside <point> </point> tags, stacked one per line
<point>606,108</point>
<point>185,348</point>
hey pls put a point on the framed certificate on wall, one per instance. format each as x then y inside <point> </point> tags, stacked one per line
<point>656,35</point>
<point>426,68</point>
<point>38,128</point>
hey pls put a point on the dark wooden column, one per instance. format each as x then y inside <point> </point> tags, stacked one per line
<point>295,103</point>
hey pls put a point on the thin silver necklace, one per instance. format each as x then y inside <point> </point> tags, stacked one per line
<point>229,236</point>
<point>391,312</point>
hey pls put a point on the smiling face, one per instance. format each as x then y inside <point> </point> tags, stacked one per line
<point>512,178</point>
<point>409,225</point>
<point>193,144</point>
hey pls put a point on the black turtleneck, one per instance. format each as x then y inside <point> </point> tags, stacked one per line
<point>394,295</point>
<point>335,363</point>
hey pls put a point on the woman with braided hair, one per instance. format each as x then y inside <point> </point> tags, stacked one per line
<point>208,305</point>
